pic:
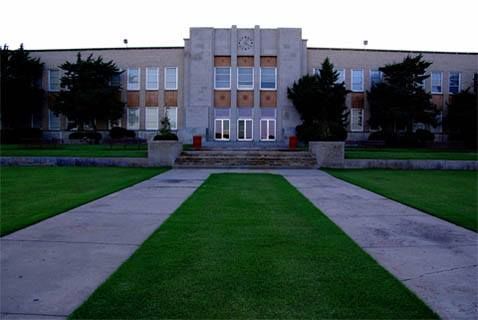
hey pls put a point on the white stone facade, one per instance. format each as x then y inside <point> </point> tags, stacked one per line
<point>195,94</point>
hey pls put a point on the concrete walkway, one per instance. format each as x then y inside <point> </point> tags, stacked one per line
<point>49,269</point>
<point>435,259</point>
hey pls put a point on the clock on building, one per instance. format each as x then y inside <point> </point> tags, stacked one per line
<point>245,43</point>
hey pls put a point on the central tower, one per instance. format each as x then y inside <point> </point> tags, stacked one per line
<point>236,83</point>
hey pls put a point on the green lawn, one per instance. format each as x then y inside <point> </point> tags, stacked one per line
<point>76,150</point>
<point>410,153</point>
<point>450,195</point>
<point>250,246</point>
<point>32,194</point>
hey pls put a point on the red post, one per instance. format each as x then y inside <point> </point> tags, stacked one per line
<point>197,142</point>
<point>293,142</point>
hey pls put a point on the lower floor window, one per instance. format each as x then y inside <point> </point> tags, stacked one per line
<point>268,129</point>
<point>152,118</point>
<point>53,121</point>
<point>172,114</point>
<point>221,129</point>
<point>114,123</point>
<point>133,118</point>
<point>244,129</point>
<point>356,119</point>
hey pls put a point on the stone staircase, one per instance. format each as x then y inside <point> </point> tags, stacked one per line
<point>241,158</point>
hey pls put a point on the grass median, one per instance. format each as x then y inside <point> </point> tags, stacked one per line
<point>250,246</point>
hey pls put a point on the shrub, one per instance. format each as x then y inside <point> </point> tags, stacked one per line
<point>118,133</point>
<point>306,133</point>
<point>20,135</point>
<point>424,136</point>
<point>376,136</point>
<point>165,136</point>
<point>96,136</point>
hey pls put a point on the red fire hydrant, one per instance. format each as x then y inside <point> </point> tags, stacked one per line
<point>197,142</point>
<point>293,142</point>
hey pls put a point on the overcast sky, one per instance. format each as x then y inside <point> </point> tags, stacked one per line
<point>386,24</point>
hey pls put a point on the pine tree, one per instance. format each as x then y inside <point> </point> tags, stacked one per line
<point>400,101</point>
<point>21,93</point>
<point>87,94</point>
<point>320,101</point>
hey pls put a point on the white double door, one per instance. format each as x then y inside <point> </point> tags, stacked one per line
<point>244,129</point>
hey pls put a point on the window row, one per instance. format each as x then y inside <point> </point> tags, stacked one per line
<point>152,119</point>
<point>152,78</point>
<point>267,128</point>
<point>245,78</point>
<point>376,76</point>
<point>133,79</point>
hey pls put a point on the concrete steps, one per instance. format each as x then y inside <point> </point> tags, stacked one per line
<point>246,159</point>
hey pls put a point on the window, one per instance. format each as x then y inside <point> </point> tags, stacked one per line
<point>54,80</point>
<point>356,119</point>
<point>133,119</point>
<point>172,114</point>
<point>375,77</point>
<point>133,79</point>
<point>341,77</point>
<point>116,80</point>
<point>269,78</point>
<point>221,129</point>
<point>244,129</point>
<point>268,129</point>
<point>245,78</point>
<point>357,80</point>
<point>222,78</point>
<point>152,78</point>
<point>151,118</point>
<point>114,123</point>
<point>454,82</point>
<point>53,120</point>
<point>436,82</point>
<point>171,78</point>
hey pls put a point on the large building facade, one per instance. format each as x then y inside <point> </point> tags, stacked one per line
<point>230,85</point>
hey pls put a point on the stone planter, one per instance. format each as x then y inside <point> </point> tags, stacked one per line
<point>163,152</point>
<point>329,154</point>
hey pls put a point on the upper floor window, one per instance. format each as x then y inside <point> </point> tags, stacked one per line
<point>53,80</point>
<point>268,78</point>
<point>454,81</point>
<point>133,78</point>
<point>152,78</point>
<point>171,78</point>
<point>375,77</point>
<point>222,78</point>
<point>116,80</point>
<point>437,82</point>
<point>245,78</point>
<point>357,80</point>
<point>341,77</point>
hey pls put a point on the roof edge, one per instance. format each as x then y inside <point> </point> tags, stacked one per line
<point>392,50</point>
<point>102,49</point>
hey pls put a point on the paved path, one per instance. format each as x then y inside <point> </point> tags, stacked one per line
<point>435,259</point>
<point>49,269</point>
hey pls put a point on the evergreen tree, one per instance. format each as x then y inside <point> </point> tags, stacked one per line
<point>21,93</point>
<point>462,118</point>
<point>87,93</point>
<point>320,101</point>
<point>400,101</point>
